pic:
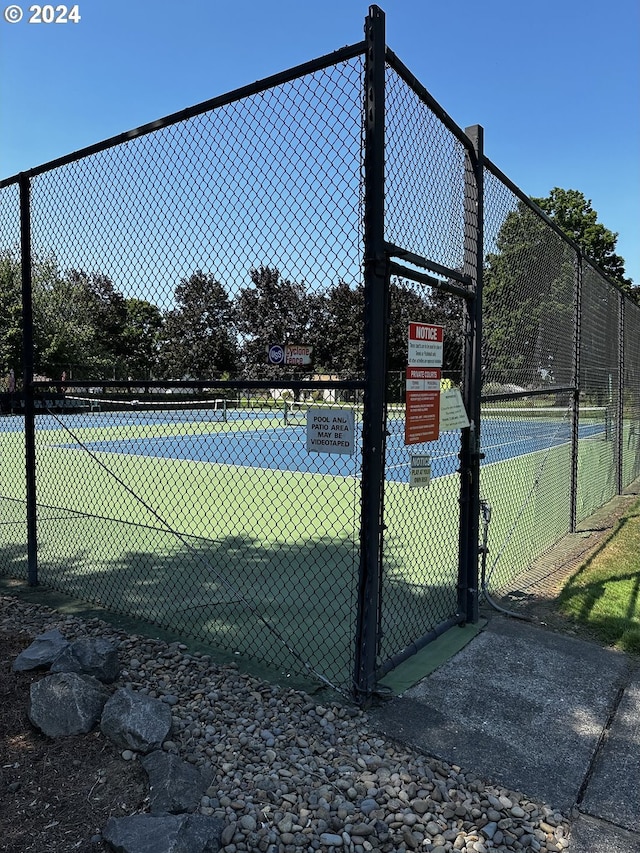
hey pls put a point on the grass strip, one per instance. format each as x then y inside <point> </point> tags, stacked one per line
<point>604,595</point>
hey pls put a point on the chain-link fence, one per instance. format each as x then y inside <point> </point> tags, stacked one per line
<point>558,365</point>
<point>425,221</point>
<point>200,316</point>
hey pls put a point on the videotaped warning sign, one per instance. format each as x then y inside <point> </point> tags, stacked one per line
<point>331,431</point>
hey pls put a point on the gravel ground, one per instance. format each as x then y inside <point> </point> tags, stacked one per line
<point>292,774</point>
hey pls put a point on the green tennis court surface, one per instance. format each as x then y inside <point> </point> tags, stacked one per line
<point>257,540</point>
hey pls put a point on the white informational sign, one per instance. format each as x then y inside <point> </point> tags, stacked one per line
<point>289,354</point>
<point>426,345</point>
<point>298,354</point>
<point>453,414</point>
<point>331,431</point>
<point>420,472</point>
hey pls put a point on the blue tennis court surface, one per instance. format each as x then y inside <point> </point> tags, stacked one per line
<point>284,448</point>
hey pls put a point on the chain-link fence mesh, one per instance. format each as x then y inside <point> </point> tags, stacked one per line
<point>599,386</point>
<point>631,395</point>
<point>13,530</point>
<point>424,195</point>
<point>528,334</point>
<point>420,554</point>
<point>183,255</point>
<point>424,178</point>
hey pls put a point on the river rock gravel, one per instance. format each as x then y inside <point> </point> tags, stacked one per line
<point>291,773</point>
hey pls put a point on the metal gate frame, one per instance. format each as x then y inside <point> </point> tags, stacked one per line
<point>379,263</point>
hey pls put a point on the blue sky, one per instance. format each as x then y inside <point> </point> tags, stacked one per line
<point>555,83</point>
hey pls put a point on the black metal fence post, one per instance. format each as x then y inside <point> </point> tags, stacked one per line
<point>575,397</point>
<point>472,387</point>
<point>375,335</point>
<point>27,378</point>
<point>619,418</point>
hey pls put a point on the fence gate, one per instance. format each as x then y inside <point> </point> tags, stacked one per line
<point>422,251</point>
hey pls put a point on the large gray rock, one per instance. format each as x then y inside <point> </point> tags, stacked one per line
<point>66,704</point>
<point>93,656</point>
<point>174,785</point>
<point>163,834</point>
<point>42,652</point>
<point>135,721</point>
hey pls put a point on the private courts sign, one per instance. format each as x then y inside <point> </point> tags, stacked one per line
<point>422,396</point>
<point>422,416</point>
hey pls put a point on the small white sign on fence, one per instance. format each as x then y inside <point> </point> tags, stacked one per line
<point>420,471</point>
<point>331,431</point>
<point>453,414</point>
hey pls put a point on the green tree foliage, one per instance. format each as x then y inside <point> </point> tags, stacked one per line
<point>79,320</point>
<point>141,338</point>
<point>338,331</point>
<point>10,313</point>
<point>527,307</point>
<point>199,337</point>
<point>573,213</point>
<point>419,304</point>
<point>272,310</point>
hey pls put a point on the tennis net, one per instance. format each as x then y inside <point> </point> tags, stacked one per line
<point>135,409</point>
<point>295,413</point>
<point>593,421</point>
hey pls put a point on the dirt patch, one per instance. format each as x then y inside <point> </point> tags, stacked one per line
<point>56,795</point>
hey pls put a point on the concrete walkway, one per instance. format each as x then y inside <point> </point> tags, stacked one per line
<point>548,715</point>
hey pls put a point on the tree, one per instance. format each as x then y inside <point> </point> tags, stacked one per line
<point>273,310</point>
<point>419,304</point>
<point>338,331</point>
<point>575,216</point>
<point>528,304</point>
<point>141,338</point>
<point>10,313</point>
<point>199,338</point>
<point>79,320</point>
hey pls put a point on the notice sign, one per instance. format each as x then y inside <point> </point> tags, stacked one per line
<point>426,344</point>
<point>331,431</point>
<point>420,471</point>
<point>422,418</point>
<point>453,414</point>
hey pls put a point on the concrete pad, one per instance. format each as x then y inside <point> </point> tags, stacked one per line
<point>521,706</point>
<point>594,836</point>
<point>613,792</point>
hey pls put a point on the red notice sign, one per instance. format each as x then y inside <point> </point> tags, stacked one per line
<point>426,345</point>
<point>422,419</point>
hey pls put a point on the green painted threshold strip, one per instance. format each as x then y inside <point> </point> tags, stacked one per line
<point>428,659</point>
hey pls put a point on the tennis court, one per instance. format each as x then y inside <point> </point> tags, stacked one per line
<point>268,439</point>
<point>275,439</point>
<point>266,530</point>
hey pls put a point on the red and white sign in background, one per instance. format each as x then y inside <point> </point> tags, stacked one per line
<point>422,412</point>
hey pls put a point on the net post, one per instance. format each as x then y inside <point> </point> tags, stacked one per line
<point>27,378</point>
<point>376,275</point>
<point>575,397</point>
